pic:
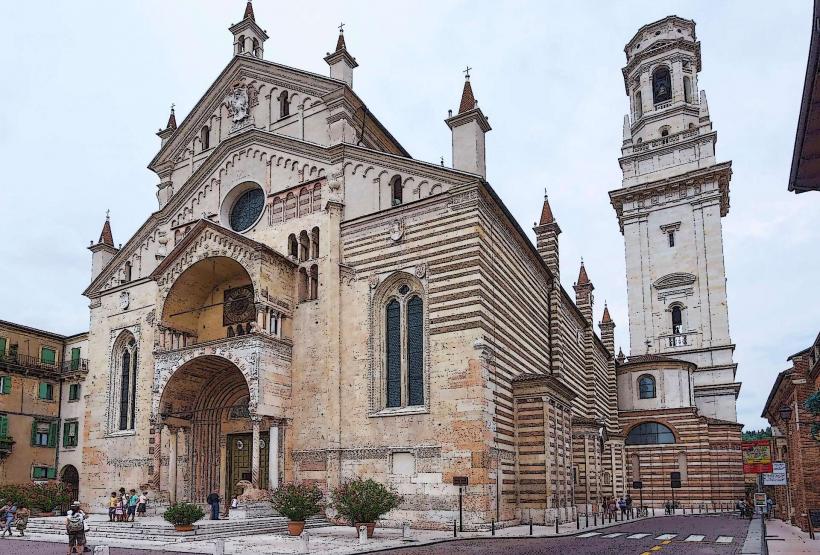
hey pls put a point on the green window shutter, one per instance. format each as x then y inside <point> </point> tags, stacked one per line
<point>47,356</point>
<point>52,434</point>
<point>34,432</point>
<point>75,358</point>
<point>41,392</point>
<point>6,384</point>
<point>4,426</point>
<point>65,434</point>
<point>2,346</point>
<point>51,473</point>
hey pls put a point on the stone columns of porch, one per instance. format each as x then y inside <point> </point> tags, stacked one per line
<point>273,457</point>
<point>172,464</point>
<point>157,456</point>
<point>255,453</point>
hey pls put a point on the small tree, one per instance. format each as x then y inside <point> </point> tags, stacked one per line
<point>362,501</point>
<point>297,501</point>
<point>812,405</point>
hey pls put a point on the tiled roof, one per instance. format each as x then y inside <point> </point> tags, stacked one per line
<point>583,278</point>
<point>546,212</point>
<point>249,12</point>
<point>106,237</point>
<point>467,98</point>
<point>638,359</point>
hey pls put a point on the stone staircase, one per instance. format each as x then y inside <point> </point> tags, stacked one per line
<point>164,532</point>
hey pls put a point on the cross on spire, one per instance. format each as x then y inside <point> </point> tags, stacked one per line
<point>467,73</point>
<point>108,214</point>
<point>341,27</point>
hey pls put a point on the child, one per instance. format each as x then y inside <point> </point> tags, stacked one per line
<point>112,506</point>
<point>142,503</point>
<point>21,523</point>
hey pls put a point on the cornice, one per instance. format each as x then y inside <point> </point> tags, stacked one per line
<point>642,59</point>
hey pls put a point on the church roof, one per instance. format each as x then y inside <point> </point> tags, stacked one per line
<point>106,237</point>
<point>642,359</point>
<point>546,213</point>
<point>249,11</point>
<point>467,98</point>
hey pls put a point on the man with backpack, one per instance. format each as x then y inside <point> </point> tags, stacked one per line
<point>75,527</point>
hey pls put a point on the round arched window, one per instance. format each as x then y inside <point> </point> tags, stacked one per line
<point>247,209</point>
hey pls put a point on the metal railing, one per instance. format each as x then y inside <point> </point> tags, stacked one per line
<point>12,361</point>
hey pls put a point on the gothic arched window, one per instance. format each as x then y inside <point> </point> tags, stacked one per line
<point>403,343</point>
<point>650,433</point>
<point>677,320</point>
<point>127,272</point>
<point>395,190</point>
<point>304,246</point>
<point>661,85</point>
<point>638,104</point>
<point>646,387</point>
<point>241,44</point>
<point>256,47</point>
<point>124,386</point>
<point>687,89</point>
<point>314,243</point>
<point>303,285</point>
<point>293,246</point>
<point>314,282</point>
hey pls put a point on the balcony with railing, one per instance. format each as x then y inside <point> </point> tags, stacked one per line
<point>6,446</point>
<point>11,362</point>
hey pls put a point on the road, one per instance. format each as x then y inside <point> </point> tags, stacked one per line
<point>678,535</point>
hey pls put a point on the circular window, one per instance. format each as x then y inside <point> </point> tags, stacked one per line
<point>247,209</point>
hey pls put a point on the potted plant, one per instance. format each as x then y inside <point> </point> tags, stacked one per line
<point>364,501</point>
<point>297,501</point>
<point>183,516</point>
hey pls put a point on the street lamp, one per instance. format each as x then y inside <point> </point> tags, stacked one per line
<point>785,413</point>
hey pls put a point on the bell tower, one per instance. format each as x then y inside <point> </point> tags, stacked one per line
<point>672,198</point>
<point>248,37</point>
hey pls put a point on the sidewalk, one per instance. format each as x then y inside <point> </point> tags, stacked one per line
<point>783,538</point>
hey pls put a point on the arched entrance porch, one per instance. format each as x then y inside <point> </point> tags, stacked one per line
<point>213,438</point>
<point>71,480</point>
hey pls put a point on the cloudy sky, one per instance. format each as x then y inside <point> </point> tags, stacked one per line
<point>86,84</point>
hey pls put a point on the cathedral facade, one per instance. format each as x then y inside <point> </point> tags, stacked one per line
<point>677,391</point>
<point>310,303</point>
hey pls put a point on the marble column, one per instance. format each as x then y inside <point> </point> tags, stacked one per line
<point>255,453</point>
<point>273,457</point>
<point>172,465</point>
<point>224,488</point>
<point>157,457</point>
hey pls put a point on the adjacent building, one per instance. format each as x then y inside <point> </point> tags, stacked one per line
<point>677,391</point>
<point>796,443</point>
<point>41,394</point>
<point>805,169</point>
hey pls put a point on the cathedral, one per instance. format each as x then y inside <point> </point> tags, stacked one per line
<point>310,303</point>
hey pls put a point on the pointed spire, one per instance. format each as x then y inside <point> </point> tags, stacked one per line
<point>172,120</point>
<point>627,129</point>
<point>340,42</point>
<point>249,11</point>
<point>546,212</point>
<point>704,106</point>
<point>467,98</point>
<point>606,319</point>
<point>106,237</point>
<point>583,279</point>
<point>620,358</point>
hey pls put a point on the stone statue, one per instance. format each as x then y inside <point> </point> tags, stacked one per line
<point>251,494</point>
<point>238,104</point>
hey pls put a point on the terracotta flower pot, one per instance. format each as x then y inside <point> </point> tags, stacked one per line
<point>370,527</point>
<point>183,527</point>
<point>295,527</point>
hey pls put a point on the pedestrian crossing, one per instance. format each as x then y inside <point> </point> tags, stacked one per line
<point>666,538</point>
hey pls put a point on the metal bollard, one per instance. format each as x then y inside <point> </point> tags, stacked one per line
<point>530,526</point>
<point>492,529</point>
<point>586,516</point>
<point>595,519</point>
<point>610,517</point>
<point>577,520</point>
<point>684,509</point>
<point>653,510</point>
<point>556,523</point>
<point>455,533</point>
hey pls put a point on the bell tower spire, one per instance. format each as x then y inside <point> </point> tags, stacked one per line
<point>469,127</point>
<point>248,37</point>
<point>340,61</point>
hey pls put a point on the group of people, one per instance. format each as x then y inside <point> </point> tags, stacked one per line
<point>612,505</point>
<point>124,506</point>
<point>12,516</point>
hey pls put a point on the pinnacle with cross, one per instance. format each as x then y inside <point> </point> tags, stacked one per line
<point>341,27</point>
<point>467,73</point>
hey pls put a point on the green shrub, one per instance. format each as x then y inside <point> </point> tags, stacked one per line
<point>297,501</point>
<point>183,514</point>
<point>364,500</point>
<point>39,497</point>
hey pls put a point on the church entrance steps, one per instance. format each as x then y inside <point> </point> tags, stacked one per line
<point>156,529</point>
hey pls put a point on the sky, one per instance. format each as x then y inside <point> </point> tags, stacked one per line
<point>86,85</point>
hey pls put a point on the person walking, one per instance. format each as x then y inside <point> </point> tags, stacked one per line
<point>21,522</point>
<point>629,504</point>
<point>213,501</point>
<point>622,506</point>
<point>8,518</point>
<point>142,504</point>
<point>769,505</point>
<point>75,528</point>
<point>133,499</point>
